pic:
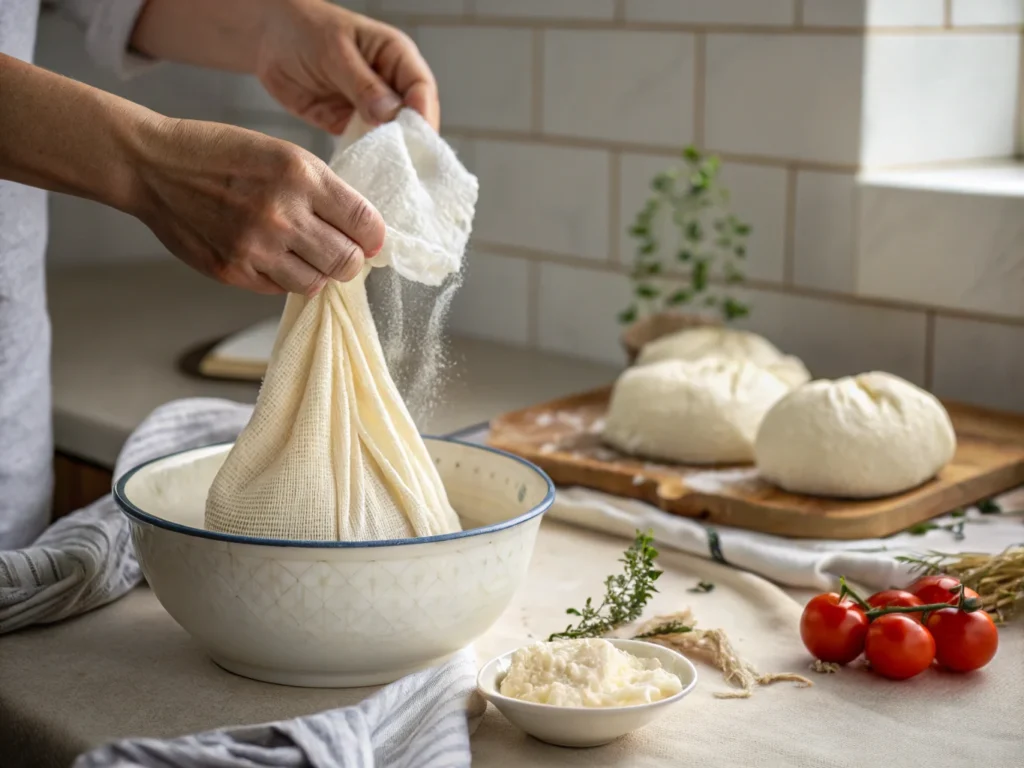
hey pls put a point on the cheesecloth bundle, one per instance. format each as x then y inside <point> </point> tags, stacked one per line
<point>331,452</point>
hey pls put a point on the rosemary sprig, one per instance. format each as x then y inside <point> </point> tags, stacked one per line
<point>669,628</point>
<point>709,240</point>
<point>702,586</point>
<point>625,596</point>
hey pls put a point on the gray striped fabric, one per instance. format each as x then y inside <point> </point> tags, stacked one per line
<point>86,560</point>
<point>418,722</point>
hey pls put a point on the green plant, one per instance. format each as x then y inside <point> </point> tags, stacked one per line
<point>626,594</point>
<point>709,243</point>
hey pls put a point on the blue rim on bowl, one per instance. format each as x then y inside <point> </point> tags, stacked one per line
<point>138,515</point>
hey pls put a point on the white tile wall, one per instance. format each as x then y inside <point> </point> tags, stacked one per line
<point>939,97</point>
<point>547,9</point>
<point>82,231</point>
<point>493,301</point>
<point>753,12</point>
<point>578,312</point>
<point>549,198</point>
<point>791,96</point>
<point>824,236</point>
<point>598,84</point>
<point>441,7</point>
<point>943,249</point>
<point>484,75</point>
<point>758,197</point>
<point>979,362</point>
<point>874,13</point>
<point>987,12</point>
<point>837,339</point>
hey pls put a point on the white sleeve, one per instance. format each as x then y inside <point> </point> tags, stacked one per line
<point>108,26</point>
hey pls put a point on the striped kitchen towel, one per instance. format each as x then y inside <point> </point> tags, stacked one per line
<point>86,559</point>
<point>421,721</point>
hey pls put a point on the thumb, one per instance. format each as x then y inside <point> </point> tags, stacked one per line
<point>371,96</point>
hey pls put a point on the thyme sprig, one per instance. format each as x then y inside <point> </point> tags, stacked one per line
<point>625,596</point>
<point>708,241</point>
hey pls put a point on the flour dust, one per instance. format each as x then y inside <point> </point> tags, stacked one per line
<point>411,320</point>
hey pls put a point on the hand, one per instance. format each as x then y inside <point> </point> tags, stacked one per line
<point>324,64</point>
<point>250,210</point>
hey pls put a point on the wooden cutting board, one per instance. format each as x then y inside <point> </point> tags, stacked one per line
<point>563,438</point>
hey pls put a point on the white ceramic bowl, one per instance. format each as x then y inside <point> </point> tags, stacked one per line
<point>336,614</point>
<point>586,726</point>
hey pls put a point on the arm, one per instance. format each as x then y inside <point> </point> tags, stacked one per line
<point>62,135</point>
<point>238,206</point>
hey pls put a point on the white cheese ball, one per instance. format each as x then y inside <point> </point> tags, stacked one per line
<point>703,411</point>
<point>858,437</point>
<point>696,343</point>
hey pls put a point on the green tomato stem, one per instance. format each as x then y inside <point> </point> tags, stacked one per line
<point>846,590</point>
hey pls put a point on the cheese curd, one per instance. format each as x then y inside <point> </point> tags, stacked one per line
<point>586,673</point>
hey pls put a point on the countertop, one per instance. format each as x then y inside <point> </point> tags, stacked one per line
<point>119,329</point>
<point>128,669</point>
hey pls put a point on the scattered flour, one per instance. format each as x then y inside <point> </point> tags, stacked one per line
<point>717,481</point>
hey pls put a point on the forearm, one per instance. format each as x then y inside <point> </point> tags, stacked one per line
<point>220,34</point>
<point>65,136</point>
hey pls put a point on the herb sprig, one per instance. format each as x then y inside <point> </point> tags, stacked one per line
<point>708,241</point>
<point>625,596</point>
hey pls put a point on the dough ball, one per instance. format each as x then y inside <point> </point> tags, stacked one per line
<point>703,411</point>
<point>858,437</point>
<point>695,343</point>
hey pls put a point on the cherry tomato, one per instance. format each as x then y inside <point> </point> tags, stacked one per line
<point>896,597</point>
<point>898,647</point>
<point>833,629</point>
<point>963,641</point>
<point>938,589</point>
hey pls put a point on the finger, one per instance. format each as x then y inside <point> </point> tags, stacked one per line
<point>327,250</point>
<point>350,213</point>
<point>372,97</point>
<point>330,115</point>
<point>423,98</point>
<point>293,274</point>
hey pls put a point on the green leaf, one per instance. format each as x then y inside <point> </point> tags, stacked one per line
<point>691,155</point>
<point>627,315</point>
<point>647,291</point>
<point>989,507</point>
<point>653,268</point>
<point>734,310</point>
<point>694,232</point>
<point>699,277</point>
<point>958,513</point>
<point>679,297</point>
<point>663,182</point>
<point>685,255</point>
<point>740,251</point>
<point>920,529</point>
<point>712,165</point>
<point>702,586</point>
<point>742,229</point>
<point>639,230</point>
<point>648,247</point>
<point>732,274</point>
<point>723,242</point>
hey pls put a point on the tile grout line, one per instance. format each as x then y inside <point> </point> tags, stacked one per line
<point>537,82</point>
<point>620,10</point>
<point>533,304</point>
<point>798,13</point>
<point>929,349</point>
<point>789,231</point>
<point>947,14</point>
<point>700,80</point>
<point>1018,123</point>
<point>519,22</point>
<point>614,198</point>
<point>603,265</point>
<point>767,161</point>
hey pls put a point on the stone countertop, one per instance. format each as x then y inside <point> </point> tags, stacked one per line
<point>118,331</point>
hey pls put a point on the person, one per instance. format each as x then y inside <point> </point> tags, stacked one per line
<point>241,207</point>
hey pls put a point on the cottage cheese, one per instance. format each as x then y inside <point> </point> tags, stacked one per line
<point>586,673</point>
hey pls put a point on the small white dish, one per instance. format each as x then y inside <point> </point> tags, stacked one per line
<point>586,726</point>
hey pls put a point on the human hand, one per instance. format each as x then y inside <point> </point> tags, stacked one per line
<point>250,210</point>
<point>324,64</point>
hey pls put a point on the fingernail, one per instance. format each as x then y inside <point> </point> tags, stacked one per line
<point>385,108</point>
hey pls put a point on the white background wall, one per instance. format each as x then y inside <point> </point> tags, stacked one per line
<point>566,108</point>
